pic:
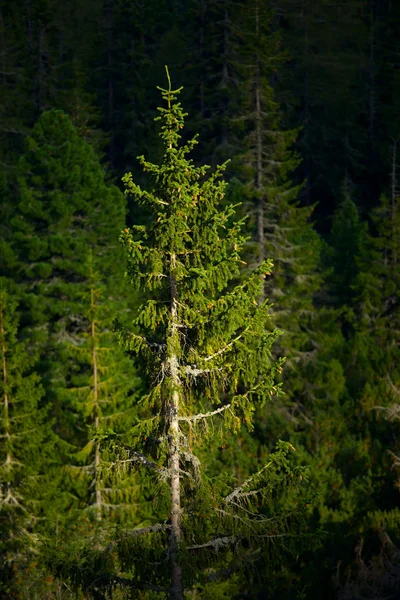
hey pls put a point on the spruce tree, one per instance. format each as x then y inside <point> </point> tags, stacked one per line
<point>101,394</point>
<point>28,454</point>
<point>310,412</point>
<point>365,499</point>
<point>279,225</point>
<point>65,210</point>
<point>205,351</point>
<point>346,240</point>
<point>375,348</point>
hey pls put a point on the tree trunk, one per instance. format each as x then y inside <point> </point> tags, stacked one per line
<point>172,415</point>
<point>305,14</point>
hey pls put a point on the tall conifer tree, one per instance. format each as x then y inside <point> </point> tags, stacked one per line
<point>206,355</point>
<point>347,239</point>
<point>28,484</point>
<point>65,210</point>
<point>280,227</point>
<point>101,393</point>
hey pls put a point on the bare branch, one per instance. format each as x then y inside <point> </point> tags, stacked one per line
<point>194,371</point>
<point>189,457</point>
<point>199,416</point>
<point>237,492</point>
<point>141,459</point>
<point>217,543</point>
<point>149,529</point>
<point>393,387</point>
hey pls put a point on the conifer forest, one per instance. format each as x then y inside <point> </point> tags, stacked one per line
<point>200,299</point>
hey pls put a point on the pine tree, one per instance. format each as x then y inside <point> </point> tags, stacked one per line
<point>206,355</point>
<point>28,454</point>
<point>309,414</point>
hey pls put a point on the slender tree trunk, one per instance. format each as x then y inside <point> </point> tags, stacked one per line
<point>28,15</point>
<point>173,413</point>
<point>260,199</point>
<point>99,500</point>
<point>4,361</point>
<point>3,51</point>
<point>307,117</point>
<point>394,175</point>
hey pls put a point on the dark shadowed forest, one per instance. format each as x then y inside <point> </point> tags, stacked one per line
<point>200,299</point>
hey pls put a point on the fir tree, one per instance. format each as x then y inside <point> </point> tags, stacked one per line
<point>282,228</point>
<point>28,484</point>
<point>366,502</point>
<point>347,239</point>
<point>65,210</point>
<point>376,340</point>
<point>206,355</point>
<point>101,394</point>
<point>279,226</point>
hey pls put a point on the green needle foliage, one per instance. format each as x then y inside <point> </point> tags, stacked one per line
<point>65,210</point>
<point>347,238</point>
<point>279,226</point>
<point>204,348</point>
<point>282,228</point>
<point>101,395</point>
<point>27,455</point>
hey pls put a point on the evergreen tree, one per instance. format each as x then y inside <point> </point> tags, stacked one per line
<point>65,210</point>
<point>347,239</point>
<point>206,355</point>
<point>377,329</point>
<point>28,498</point>
<point>376,348</point>
<point>310,413</point>
<point>280,227</point>
<point>366,504</point>
<point>103,387</point>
